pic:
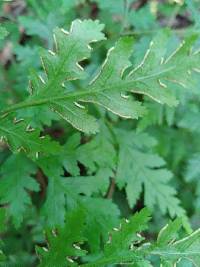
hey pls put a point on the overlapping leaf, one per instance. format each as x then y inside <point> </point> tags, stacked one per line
<point>126,244</point>
<point>64,193</point>
<point>120,248</point>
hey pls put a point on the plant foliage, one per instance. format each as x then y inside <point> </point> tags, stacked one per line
<point>99,133</point>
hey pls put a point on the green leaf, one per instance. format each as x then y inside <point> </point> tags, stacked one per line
<point>138,167</point>
<point>189,120</point>
<point>63,242</point>
<point>127,246</point>
<point>54,206</point>
<point>171,251</point>
<point>110,80</point>
<point>35,27</point>
<point>3,217</point>
<point>102,215</point>
<point>71,48</point>
<point>162,69</point>
<point>142,19</point>
<point>89,185</point>
<point>68,4</point>
<point>121,246</point>
<point>112,6</point>
<point>3,33</point>
<point>157,115</point>
<point>70,154</point>
<point>157,75</point>
<point>16,180</point>
<point>20,136</point>
<point>192,174</point>
<point>2,257</point>
<point>94,154</point>
<point>142,263</point>
<point>169,232</point>
<point>193,9</point>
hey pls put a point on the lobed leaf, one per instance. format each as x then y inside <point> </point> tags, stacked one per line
<point>138,168</point>
<point>16,180</point>
<point>20,136</point>
<point>157,75</point>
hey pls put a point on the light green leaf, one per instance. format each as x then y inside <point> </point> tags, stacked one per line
<point>138,167</point>
<point>171,251</point>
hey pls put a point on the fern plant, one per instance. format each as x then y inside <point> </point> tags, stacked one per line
<point>83,193</point>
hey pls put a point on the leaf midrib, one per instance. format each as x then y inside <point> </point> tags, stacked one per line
<point>77,95</point>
